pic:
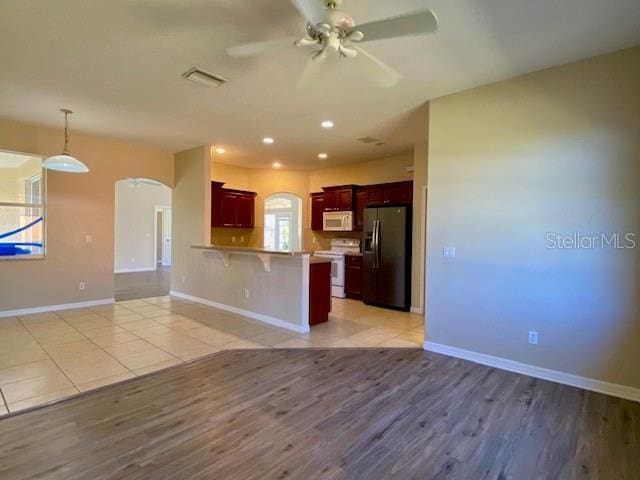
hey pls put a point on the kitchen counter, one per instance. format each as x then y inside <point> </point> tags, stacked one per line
<point>288,289</point>
<point>250,250</point>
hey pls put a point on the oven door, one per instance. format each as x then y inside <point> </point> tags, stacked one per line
<point>337,272</point>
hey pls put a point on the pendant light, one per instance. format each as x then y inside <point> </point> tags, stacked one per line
<point>64,162</point>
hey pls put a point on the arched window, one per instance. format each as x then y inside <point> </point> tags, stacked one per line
<point>282,222</point>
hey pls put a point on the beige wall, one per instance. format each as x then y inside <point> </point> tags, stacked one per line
<point>135,233</point>
<point>382,170</point>
<point>78,205</point>
<point>553,151</point>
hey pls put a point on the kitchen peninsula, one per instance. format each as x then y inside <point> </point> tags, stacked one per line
<point>288,289</point>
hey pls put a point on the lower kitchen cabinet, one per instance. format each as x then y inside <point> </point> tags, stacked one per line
<point>319,292</point>
<point>353,277</point>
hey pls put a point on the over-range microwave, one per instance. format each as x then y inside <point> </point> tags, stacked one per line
<point>337,221</point>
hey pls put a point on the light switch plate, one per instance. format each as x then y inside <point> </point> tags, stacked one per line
<point>449,252</point>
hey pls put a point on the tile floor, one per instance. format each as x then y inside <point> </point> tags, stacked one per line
<point>49,356</point>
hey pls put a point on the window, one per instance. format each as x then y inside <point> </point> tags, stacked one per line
<point>21,206</point>
<point>282,223</point>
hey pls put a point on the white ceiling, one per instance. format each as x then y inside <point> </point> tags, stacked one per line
<point>118,64</point>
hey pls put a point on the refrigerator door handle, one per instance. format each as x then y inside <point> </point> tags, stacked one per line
<point>376,243</point>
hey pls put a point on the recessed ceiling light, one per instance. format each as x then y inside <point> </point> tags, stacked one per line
<point>268,140</point>
<point>323,156</point>
<point>327,124</point>
<point>276,165</point>
<point>220,151</point>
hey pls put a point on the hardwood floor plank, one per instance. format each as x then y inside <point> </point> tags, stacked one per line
<point>327,414</point>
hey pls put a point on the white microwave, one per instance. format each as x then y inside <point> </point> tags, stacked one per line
<point>337,221</point>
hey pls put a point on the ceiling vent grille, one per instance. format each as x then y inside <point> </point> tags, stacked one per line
<point>204,78</point>
<point>369,140</point>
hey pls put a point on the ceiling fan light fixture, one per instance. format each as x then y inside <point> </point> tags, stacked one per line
<point>268,141</point>
<point>327,124</point>
<point>65,162</point>
<point>220,150</point>
<point>276,165</point>
<point>323,156</point>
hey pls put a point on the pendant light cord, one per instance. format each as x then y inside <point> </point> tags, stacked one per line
<point>66,128</point>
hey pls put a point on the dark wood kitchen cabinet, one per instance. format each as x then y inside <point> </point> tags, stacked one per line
<point>361,205</point>
<point>231,208</point>
<point>353,277</point>
<point>319,292</point>
<point>317,211</point>
<point>387,194</point>
<point>339,199</point>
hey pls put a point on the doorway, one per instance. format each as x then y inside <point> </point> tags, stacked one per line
<point>162,242</point>
<point>142,243</point>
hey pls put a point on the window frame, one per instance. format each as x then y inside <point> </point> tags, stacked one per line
<point>25,205</point>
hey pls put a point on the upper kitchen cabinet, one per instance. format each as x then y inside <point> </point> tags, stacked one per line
<point>398,193</point>
<point>361,205</point>
<point>317,211</point>
<point>216,204</point>
<point>231,208</point>
<point>339,199</point>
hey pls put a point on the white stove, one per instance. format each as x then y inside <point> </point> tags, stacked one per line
<point>339,248</point>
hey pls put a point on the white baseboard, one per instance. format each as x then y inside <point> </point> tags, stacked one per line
<point>135,270</point>
<point>585,383</point>
<point>276,322</point>
<point>55,308</point>
<point>417,310</point>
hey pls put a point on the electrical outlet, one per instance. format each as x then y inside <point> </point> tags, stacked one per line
<point>233,239</point>
<point>133,260</point>
<point>449,252</point>
<point>247,293</point>
<point>81,286</point>
<point>533,338</point>
<point>88,239</point>
<point>184,279</point>
<point>241,239</point>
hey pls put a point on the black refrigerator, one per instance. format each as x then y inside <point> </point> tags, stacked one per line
<point>387,257</point>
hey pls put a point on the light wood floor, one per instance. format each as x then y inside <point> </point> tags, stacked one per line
<point>327,414</point>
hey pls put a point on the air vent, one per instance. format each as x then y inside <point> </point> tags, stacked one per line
<point>379,144</point>
<point>368,140</point>
<point>204,78</point>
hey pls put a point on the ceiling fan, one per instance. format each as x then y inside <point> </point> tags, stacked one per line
<point>334,31</point>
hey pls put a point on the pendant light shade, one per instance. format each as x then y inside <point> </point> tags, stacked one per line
<point>64,162</point>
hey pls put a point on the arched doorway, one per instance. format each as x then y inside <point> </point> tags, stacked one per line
<point>142,238</point>
<point>283,222</point>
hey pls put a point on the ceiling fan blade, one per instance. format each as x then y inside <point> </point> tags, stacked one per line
<point>417,23</point>
<point>312,10</point>
<point>311,70</point>
<point>260,48</point>
<point>379,72</point>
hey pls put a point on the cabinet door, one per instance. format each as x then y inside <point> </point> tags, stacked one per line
<point>353,277</point>
<point>376,195</point>
<point>331,200</point>
<point>345,199</point>
<point>244,211</point>
<point>361,205</point>
<point>229,218</point>
<point>400,193</point>
<point>216,204</point>
<point>317,211</point>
